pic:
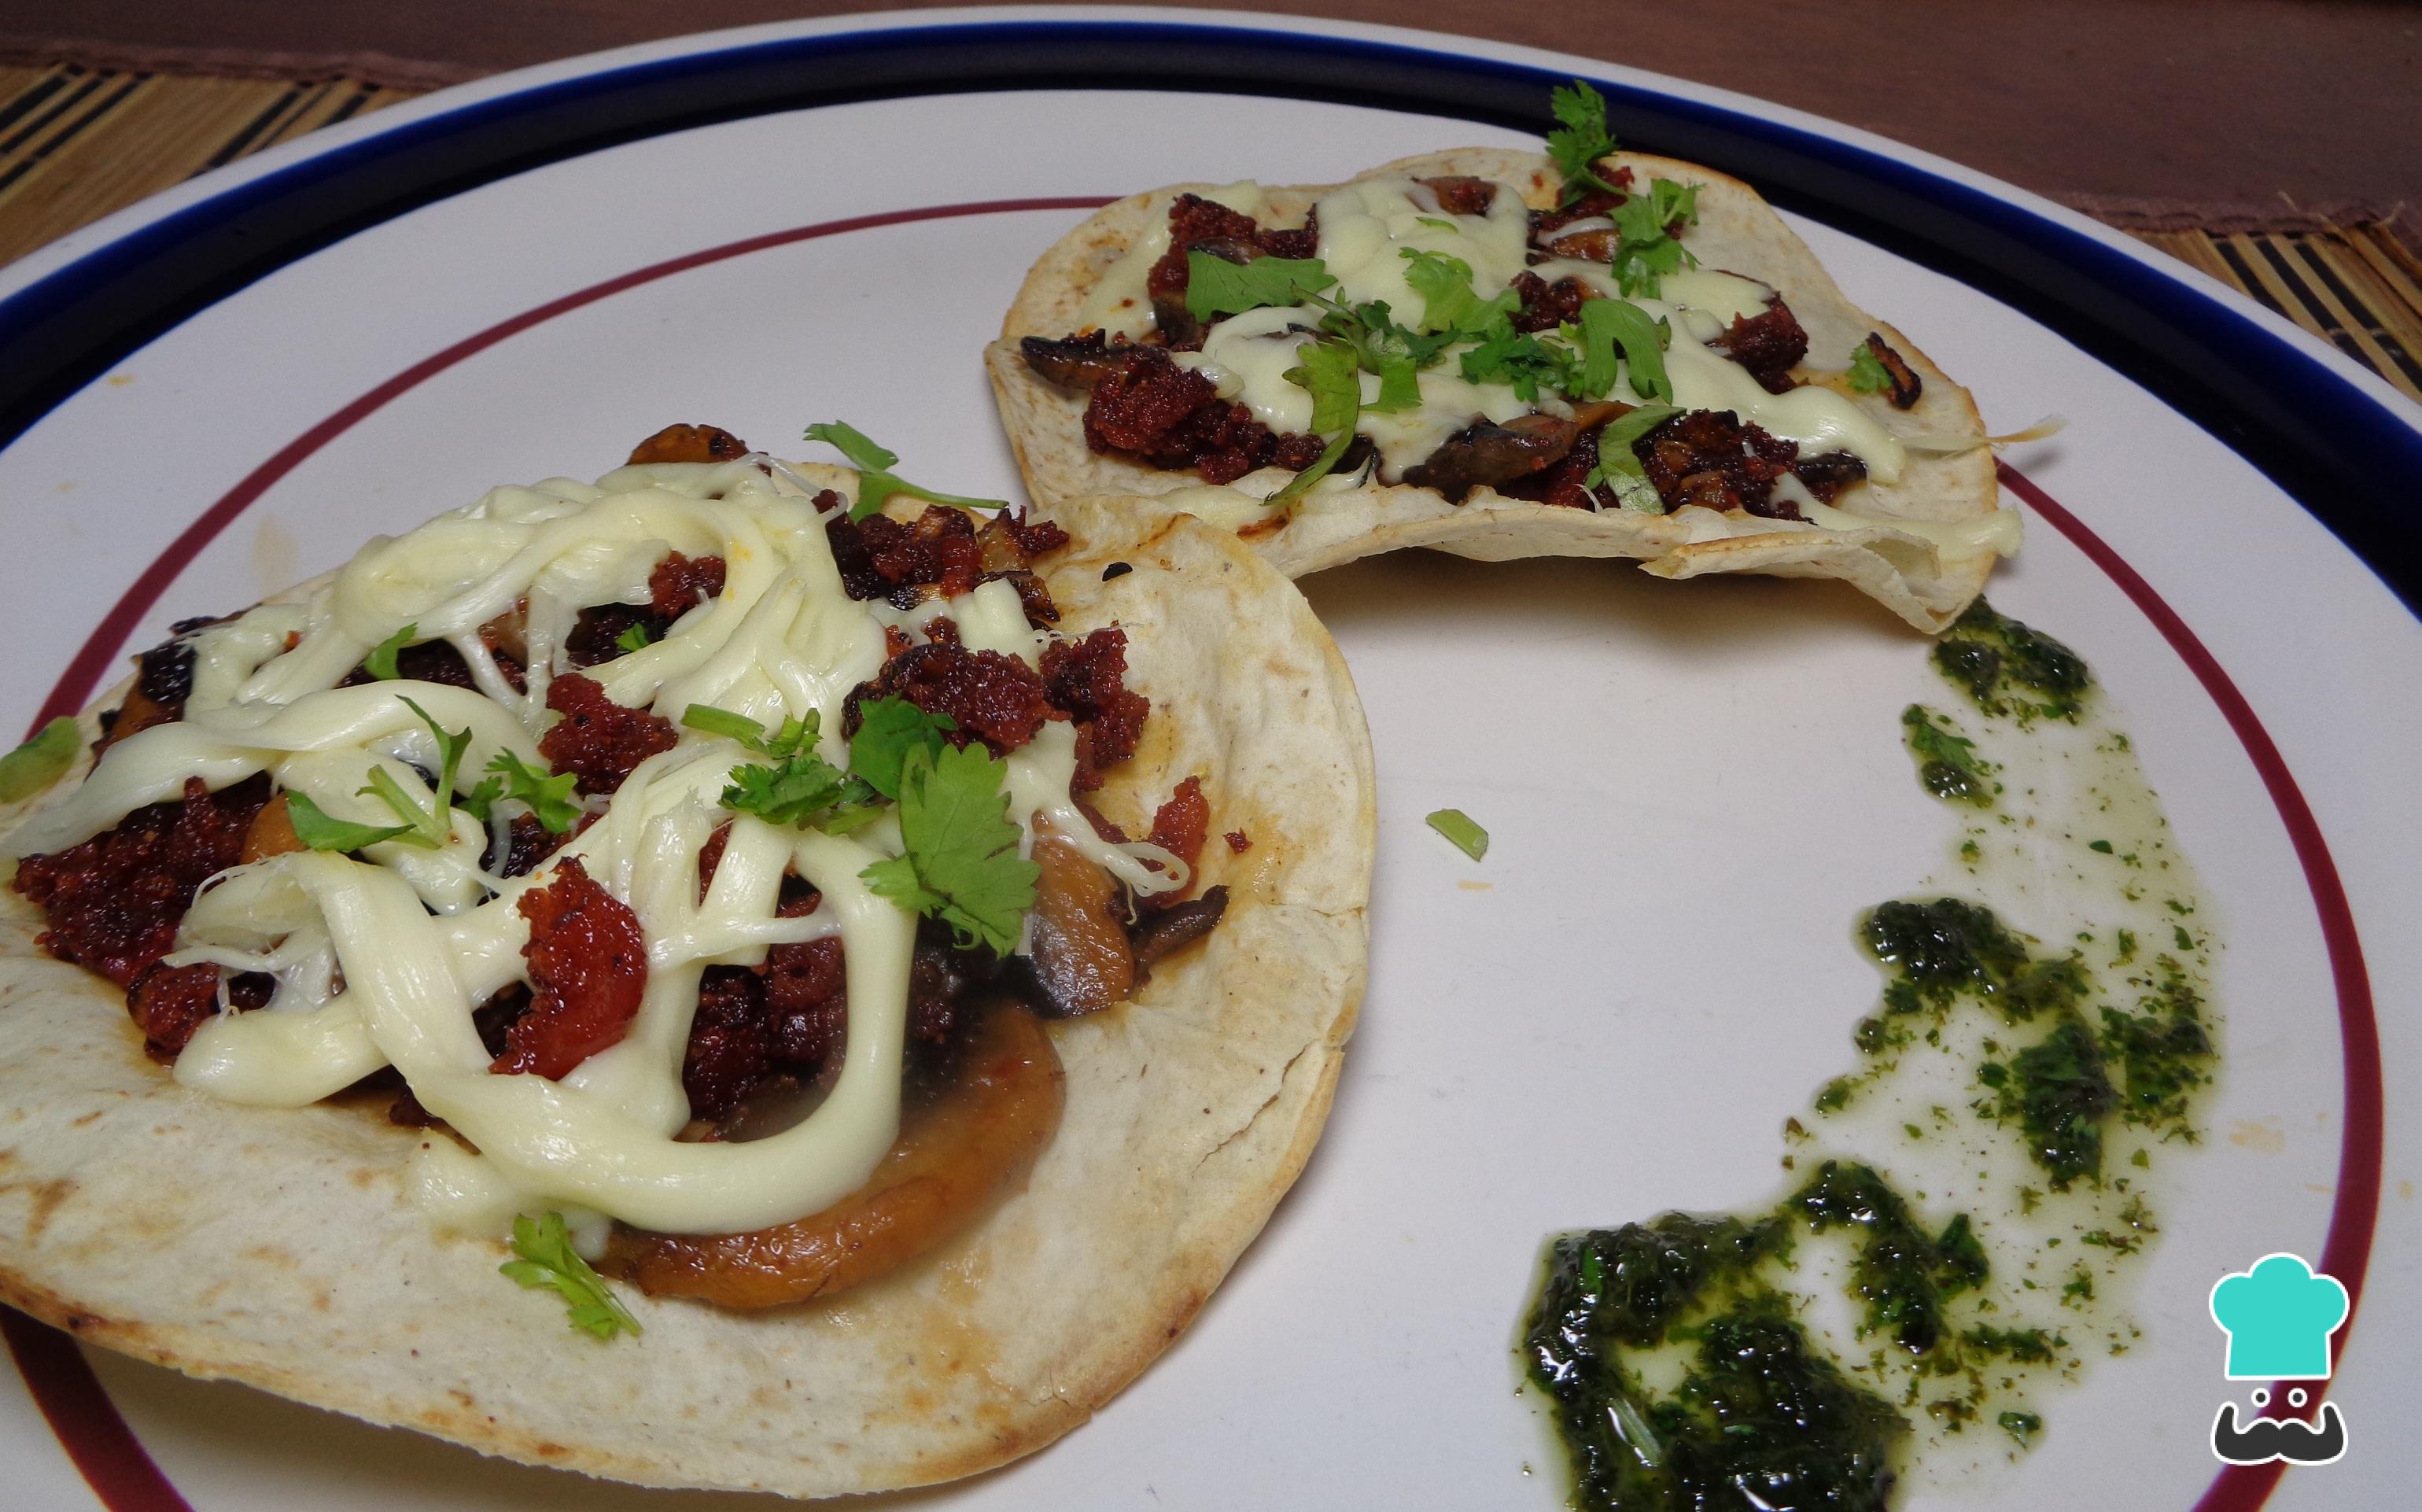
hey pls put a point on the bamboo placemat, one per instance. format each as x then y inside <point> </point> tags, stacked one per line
<point>76,143</point>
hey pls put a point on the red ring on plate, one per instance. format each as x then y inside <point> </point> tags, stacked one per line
<point>112,1460</point>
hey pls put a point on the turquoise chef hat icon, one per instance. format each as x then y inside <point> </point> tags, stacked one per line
<point>2279,1316</point>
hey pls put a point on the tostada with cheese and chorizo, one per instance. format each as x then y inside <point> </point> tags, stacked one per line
<point>879,963</point>
<point>1501,353</point>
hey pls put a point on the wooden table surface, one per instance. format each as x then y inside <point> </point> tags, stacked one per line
<point>156,93</point>
<point>2209,112</point>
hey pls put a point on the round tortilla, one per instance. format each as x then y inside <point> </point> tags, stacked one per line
<point>1737,232</point>
<point>280,1249</point>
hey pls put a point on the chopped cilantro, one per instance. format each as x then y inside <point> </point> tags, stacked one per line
<point>1646,249</point>
<point>549,798</point>
<point>888,730</point>
<point>1385,349</point>
<point>633,638</point>
<point>318,833</point>
<point>379,663</point>
<point>1215,285</point>
<point>1332,374</point>
<point>40,762</point>
<point>547,1261</point>
<point>1868,372</point>
<point>1582,138</point>
<point>1946,763</point>
<point>962,865</point>
<point>876,483</point>
<point>1618,465</point>
<point>794,785</point>
<point>1449,303</point>
<point>1608,324</point>
<point>1439,222</point>
<point>1523,362</point>
<point>1460,831</point>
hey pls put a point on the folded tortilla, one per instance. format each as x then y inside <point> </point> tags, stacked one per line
<point>278,1248</point>
<point>1897,560</point>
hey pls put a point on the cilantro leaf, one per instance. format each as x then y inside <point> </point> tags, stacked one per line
<point>1620,465</point>
<point>1526,362</point>
<point>962,865</point>
<point>876,483</point>
<point>1460,831</point>
<point>633,638</point>
<point>716,721</point>
<point>40,762</point>
<point>417,818</point>
<point>1608,324</point>
<point>794,785</point>
<point>1385,349</point>
<point>1581,140</point>
<point>1215,285</point>
<point>1645,251</point>
<point>379,663</point>
<point>1334,375</point>
<point>549,798</point>
<point>1869,374</point>
<point>547,1261</point>
<point>318,833</point>
<point>1449,303</point>
<point>888,730</point>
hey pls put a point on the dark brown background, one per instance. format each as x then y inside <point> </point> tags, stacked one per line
<point>2220,111</point>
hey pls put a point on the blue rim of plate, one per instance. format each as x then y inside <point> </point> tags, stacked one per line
<point>2324,444</point>
<point>2342,454</point>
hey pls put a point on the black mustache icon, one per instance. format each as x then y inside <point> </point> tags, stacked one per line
<point>2289,1439</point>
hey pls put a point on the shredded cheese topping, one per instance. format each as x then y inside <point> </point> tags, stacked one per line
<point>380,959</point>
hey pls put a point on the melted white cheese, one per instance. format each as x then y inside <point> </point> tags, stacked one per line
<point>381,960</point>
<point>1365,229</point>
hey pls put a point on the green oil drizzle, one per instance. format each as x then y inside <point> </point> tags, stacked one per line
<point>1685,1366</point>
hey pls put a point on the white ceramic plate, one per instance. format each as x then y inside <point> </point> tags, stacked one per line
<point>1691,788</point>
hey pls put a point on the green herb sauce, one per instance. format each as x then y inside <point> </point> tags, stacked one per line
<point>2012,669</point>
<point>1682,1357</point>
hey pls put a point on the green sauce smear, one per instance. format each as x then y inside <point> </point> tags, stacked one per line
<point>1674,1352</point>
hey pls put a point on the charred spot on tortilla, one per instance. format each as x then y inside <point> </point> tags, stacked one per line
<point>769,842</point>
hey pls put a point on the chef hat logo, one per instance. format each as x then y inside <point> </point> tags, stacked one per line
<point>2279,1316</point>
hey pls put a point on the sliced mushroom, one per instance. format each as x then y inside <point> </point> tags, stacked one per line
<point>1485,453</point>
<point>951,1158</point>
<point>1076,362</point>
<point>1081,962</point>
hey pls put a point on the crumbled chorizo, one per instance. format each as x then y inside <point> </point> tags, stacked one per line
<point>587,961</point>
<point>1086,680</point>
<point>114,902</point>
<point>1770,344</point>
<point>993,698</point>
<point>1546,305</point>
<point>599,739</point>
<point>1709,458</point>
<point>680,584</point>
<point>169,1003</point>
<point>1173,419</point>
<point>1179,827</point>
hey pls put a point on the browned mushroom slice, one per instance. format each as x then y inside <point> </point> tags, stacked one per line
<point>690,443</point>
<point>1906,384</point>
<point>1080,959</point>
<point>951,1158</point>
<point>1076,362</point>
